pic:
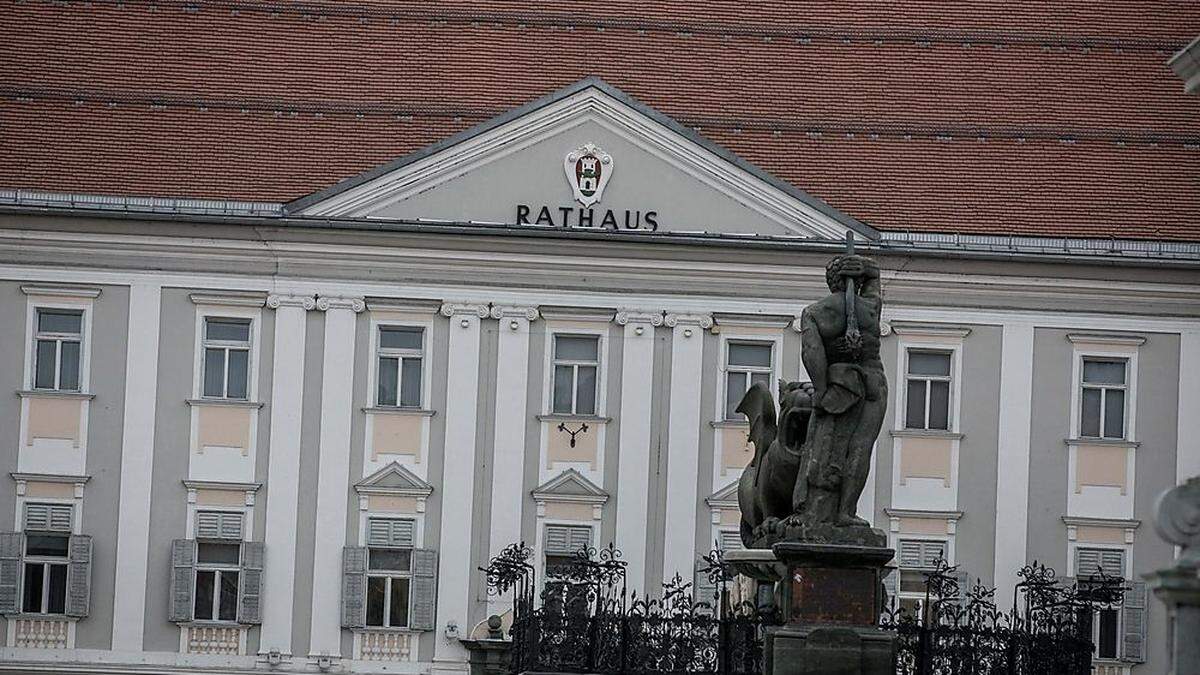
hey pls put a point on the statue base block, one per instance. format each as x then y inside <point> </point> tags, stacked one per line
<point>832,599</point>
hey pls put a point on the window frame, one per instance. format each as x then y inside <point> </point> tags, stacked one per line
<point>389,575</point>
<point>927,381</point>
<point>227,311</point>
<point>400,354</point>
<point>921,597</point>
<point>46,562</point>
<point>575,364</point>
<point>82,304</point>
<point>728,369</point>
<point>227,347</point>
<point>1126,552</point>
<point>1083,386</point>
<point>1104,347</point>
<point>218,569</point>
<point>930,338</point>
<point>59,340</point>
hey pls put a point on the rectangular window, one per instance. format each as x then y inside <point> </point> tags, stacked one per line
<point>217,577</point>
<point>1090,564</point>
<point>57,344</point>
<point>1102,398</point>
<point>400,363</point>
<point>389,572</point>
<point>45,578</point>
<point>746,364</point>
<point>927,393</point>
<point>226,348</point>
<point>576,367</point>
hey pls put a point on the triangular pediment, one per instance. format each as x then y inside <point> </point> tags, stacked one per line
<point>570,485</point>
<point>395,479</point>
<point>726,496</point>
<point>586,156</point>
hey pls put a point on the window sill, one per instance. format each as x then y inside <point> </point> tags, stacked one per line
<point>563,417</point>
<point>202,623</point>
<point>729,424</point>
<point>926,433</point>
<point>54,393</point>
<point>381,629</point>
<point>228,402</point>
<point>26,616</point>
<point>390,410</point>
<point>1109,442</point>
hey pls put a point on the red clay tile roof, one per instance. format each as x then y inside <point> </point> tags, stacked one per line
<point>1019,117</point>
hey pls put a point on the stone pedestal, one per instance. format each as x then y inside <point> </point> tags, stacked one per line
<point>832,598</point>
<point>1179,590</point>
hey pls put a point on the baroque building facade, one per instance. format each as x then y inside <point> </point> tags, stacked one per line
<point>254,435</point>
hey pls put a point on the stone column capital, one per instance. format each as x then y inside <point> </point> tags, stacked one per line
<point>326,303</point>
<point>627,316</point>
<point>479,309</point>
<point>528,312</point>
<point>704,321</point>
<point>305,302</point>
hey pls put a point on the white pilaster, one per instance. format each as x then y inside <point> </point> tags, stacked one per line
<point>1187,458</point>
<point>1012,483</point>
<point>633,464</point>
<point>458,480</point>
<point>508,461</point>
<point>137,460</point>
<point>683,443</point>
<point>333,480</point>
<point>283,470</point>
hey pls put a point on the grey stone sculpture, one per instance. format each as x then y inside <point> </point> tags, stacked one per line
<point>811,461</point>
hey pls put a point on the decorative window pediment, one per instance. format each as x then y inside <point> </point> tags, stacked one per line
<point>394,480</point>
<point>570,486</point>
<point>725,498</point>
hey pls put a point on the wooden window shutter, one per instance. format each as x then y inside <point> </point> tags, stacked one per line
<point>731,540</point>
<point>79,575</point>
<point>567,539</point>
<point>183,579</point>
<point>891,585</point>
<point>390,532</point>
<point>1092,561</point>
<point>354,586</point>
<point>1133,623</point>
<point>250,583</point>
<point>12,549</point>
<point>581,538</point>
<point>424,589</point>
<point>932,552</point>
<point>910,553</point>
<point>48,517</point>
<point>964,586</point>
<point>219,525</point>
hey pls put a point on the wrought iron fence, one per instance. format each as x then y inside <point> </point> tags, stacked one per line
<point>588,622</point>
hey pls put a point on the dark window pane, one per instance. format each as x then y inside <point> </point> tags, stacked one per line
<point>400,338</point>
<point>218,554</point>
<point>239,372</point>
<point>749,355</point>
<point>45,365</point>
<point>230,330</point>
<point>929,363</point>
<point>563,383</point>
<point>33,587</point>
<point>585,400</point>
<point>392,560</point>
<point>1114,413</point>
<point>410,383</point>
<point>69,376</point>
<point>45,545</point>
<point>204,594</point>
<point>1089,418</point>
<point>735,389</point>
<point>911,581</point>
<point>376,592</point>
<point>60,321</point>
<point>1103,372</point>
<point>939,405</point>
<point>56,603</point>
<point>570,348</point>
<point>388,371</point>
<point>1106,647</point>
<point>761,378</point>
<point>914,405</point>
<point>229,596</point>
<point>399,609</point>
<point>214,372</point>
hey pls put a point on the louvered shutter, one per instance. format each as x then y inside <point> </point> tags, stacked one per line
<point>219,525</point>
<point>424,589</point>
<point>1133,623</point>
<point>354,586</point>
<point>390,532</point>
<point>183,579</point>
<point>250,583</point>
<point>48,517</point>
<point>12,548</point>
<point>731,540</point>
<point>910,553</point>
<point>1090,562</point>
<point>581,538</point>
<point>932,552</point>
<point>891,585</point>
<point>79,576</point>
<point>567,539</point>
<point>964,586</point>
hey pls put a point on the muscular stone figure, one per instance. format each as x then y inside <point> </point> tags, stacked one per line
<point>840,339</point>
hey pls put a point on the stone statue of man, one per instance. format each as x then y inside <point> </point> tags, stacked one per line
<point>840,339</point>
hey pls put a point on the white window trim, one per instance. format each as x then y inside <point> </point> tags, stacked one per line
<point>539,553</point>
<point>246,510</point>
<point>730,334</point>
<point>218,568</point>
<point>936,339</point>
<point>398,320</point>
<point>1105,347</point>
<point>576,329</point>
<point>203,312</point>
<point>928,380</point>
<point>418,537</point>
<point>83,304</point>
<point>1127,574</point>
<point>894,542</point>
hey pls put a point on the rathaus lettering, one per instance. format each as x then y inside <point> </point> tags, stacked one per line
<point>570,216</point>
